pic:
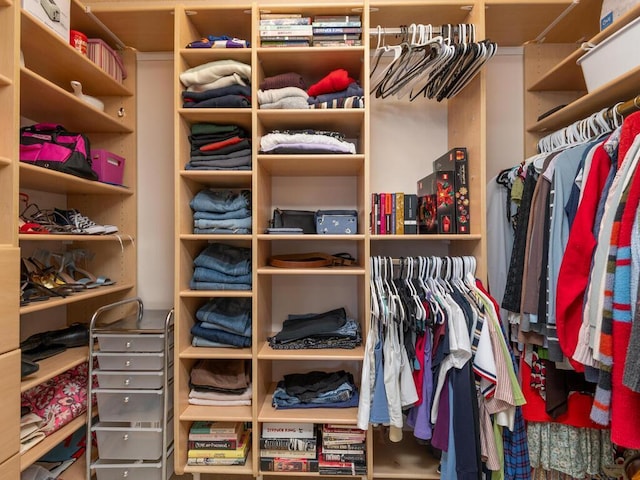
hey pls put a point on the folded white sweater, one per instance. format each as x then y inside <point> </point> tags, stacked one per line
<point>212,71</point>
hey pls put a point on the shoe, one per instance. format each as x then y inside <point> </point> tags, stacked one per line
<point>27,367</point>
<point>82,224</point>
<point>75,335</point>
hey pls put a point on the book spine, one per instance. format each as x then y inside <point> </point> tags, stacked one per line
<point>358,458</point>
<point>335,30</point>
<point>285,21</point>
<point>393,213</point>
<point>280,38</point>
<point>212,444</point>
<point>399,213</point>
<point>326,24</point>
<point>383,223</point>
<point>215,461</point>
<point>265,453</point>
<point>216,453</point>
<point>214,437</point>
<point>387,213</point>
<point>265,16</point>
<point>463,215</point>
<point>288,444</point>
<point>288,465</point>
<point>337,18</point>
<point>288,430</point>
<point>410,214</point>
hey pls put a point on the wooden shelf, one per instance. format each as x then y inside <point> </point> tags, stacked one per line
<point>311,271</point>
<point>227,116</point>
<point>62,107</point>
<point>4,161</point>
<point>204,352</point>
<point>5,3</point>
<point>146,26</point>
<point>222,237</point>
<point>405,12</point>
<point>246,469</point>
<point>112,237</point>
<point>307,415</point>
<point>312,165</point>
<point>310,237</point>
<point>427,238</point>
<point>33,454</point>
<point>215,293</point>
<point>44,179</point>
<point>406,459</point>
<point>268,353</point>
<point>5,81</point>
<point>514,23</point>
<point>219,178</point>
<point>229,413</point>
<point>75,297</point>
<point>54,366</point>
<point>618,90</point>
<point>567,75</point>
<point>347,121</point>
<point>60,62</point>
<point>198,56</point>
<point>277,60</point>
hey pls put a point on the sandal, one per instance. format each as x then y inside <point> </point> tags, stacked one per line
<point>80,275</point>
<point>55,261</point>
<point>44,277</point>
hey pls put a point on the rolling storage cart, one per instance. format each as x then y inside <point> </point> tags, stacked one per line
<point>131,352</point>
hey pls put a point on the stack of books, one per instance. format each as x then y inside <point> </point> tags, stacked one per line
<point>337,31</point>
<point>218,443</point>
<point>288,447</point>
<point>285,30</point>
<point>343,450</point>
<point>393,213</point>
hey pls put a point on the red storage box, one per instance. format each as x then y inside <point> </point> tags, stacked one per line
<point>108,166</point>
<point>106,58</point>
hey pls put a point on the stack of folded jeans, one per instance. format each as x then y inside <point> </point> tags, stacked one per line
<point>223,322</point>
<point>221,211</point>
<point>219,147</point>
<point>217,84</point>
<point>351,97</point>
<point>222,267</point>
<point>332,329</point>
<point>316,390</point>
<point>218,382</point>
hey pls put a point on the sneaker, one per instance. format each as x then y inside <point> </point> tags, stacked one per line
<point>81,223</point>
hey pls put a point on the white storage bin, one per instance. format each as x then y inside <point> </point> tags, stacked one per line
<point>612,57</point>
<point>130,361</point>
<point>130,342</point>
<point>118,470</point>
<point>121,441</point>
<point>115,379</point>
<point>130,405</point>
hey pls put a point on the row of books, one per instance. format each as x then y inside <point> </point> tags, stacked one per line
<point>394,213</point>
<point>296,30</point>
<point>218,443</point>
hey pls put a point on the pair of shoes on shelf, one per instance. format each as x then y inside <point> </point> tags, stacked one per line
<point>46,344</point>
<point>69,264</point>
<point>81,224</point>
<point>44,278</point>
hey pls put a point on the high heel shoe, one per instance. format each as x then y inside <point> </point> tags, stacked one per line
<point>82,275</point>
<point>55,261</point>
<point>43,278</point>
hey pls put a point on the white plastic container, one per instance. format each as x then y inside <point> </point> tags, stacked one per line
<point>612,57</point>
<point>122,441</point>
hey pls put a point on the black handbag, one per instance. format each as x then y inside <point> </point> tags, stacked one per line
<point>304,219</point>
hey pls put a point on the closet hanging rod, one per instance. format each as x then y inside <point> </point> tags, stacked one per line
<point>542,35</point>
<point>373,31</point>
<point>624,109</point>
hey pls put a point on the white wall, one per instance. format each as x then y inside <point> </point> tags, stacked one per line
<point>155,180</point>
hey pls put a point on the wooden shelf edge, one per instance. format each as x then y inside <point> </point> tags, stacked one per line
<point>268,353</point>
<point>215,293</point>
<point>192,413</point>
<point>5,81</point>
<point>222,238</point>
<point>40,178</point>
<point>118,237</point>
<point>53,366</point>
<point>311,238</point>
<point>4,161</point>
<point>246,469</point>
<point>311,271</point>
<point>443,237</point>
<point>32,455</point>
<point>75,297</point>
<point>205,352</point>
<point>284,51</point>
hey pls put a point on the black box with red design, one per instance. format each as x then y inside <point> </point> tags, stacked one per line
<point>456,160</point>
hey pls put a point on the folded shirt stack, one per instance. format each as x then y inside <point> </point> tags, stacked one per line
<point>217,84</point>
<point>282,98</point>
<point>223,322</point>
<point>219,147</point>
<point>336,90</point>
<point>222,267</point>
<point>220,382</point>
<point>221,211</point>
<point>332,329</point>
<point>305,141</point>
<point>316,390</point>
<point>218,41</point>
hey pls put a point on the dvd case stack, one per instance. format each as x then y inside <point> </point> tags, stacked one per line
<point>337,31</point>
<point>288,447</point>
<point>343,450</point>
<point>285,30</point>
<point>218,443</point>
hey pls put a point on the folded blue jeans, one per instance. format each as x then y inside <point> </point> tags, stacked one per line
<point>340,394</point>
<point>201,274</point>
<point>214,326</point>
<point>203,342</point>
<point>193,285</point>
<point>224,258</point>
<point>228,223</point>
<point>220,201</point>
<point>350,403</point>
<point>222,231</point>
<point>220,336</point>
<point>240,213</point>
<point>230,313</point>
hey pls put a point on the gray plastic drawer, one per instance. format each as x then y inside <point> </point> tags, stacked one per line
<point>120,342</point>
<point>130,361</point>
<point>117,379</point>
<point>130,405</point>
<point>126,441</point>
<point>118,470</point>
